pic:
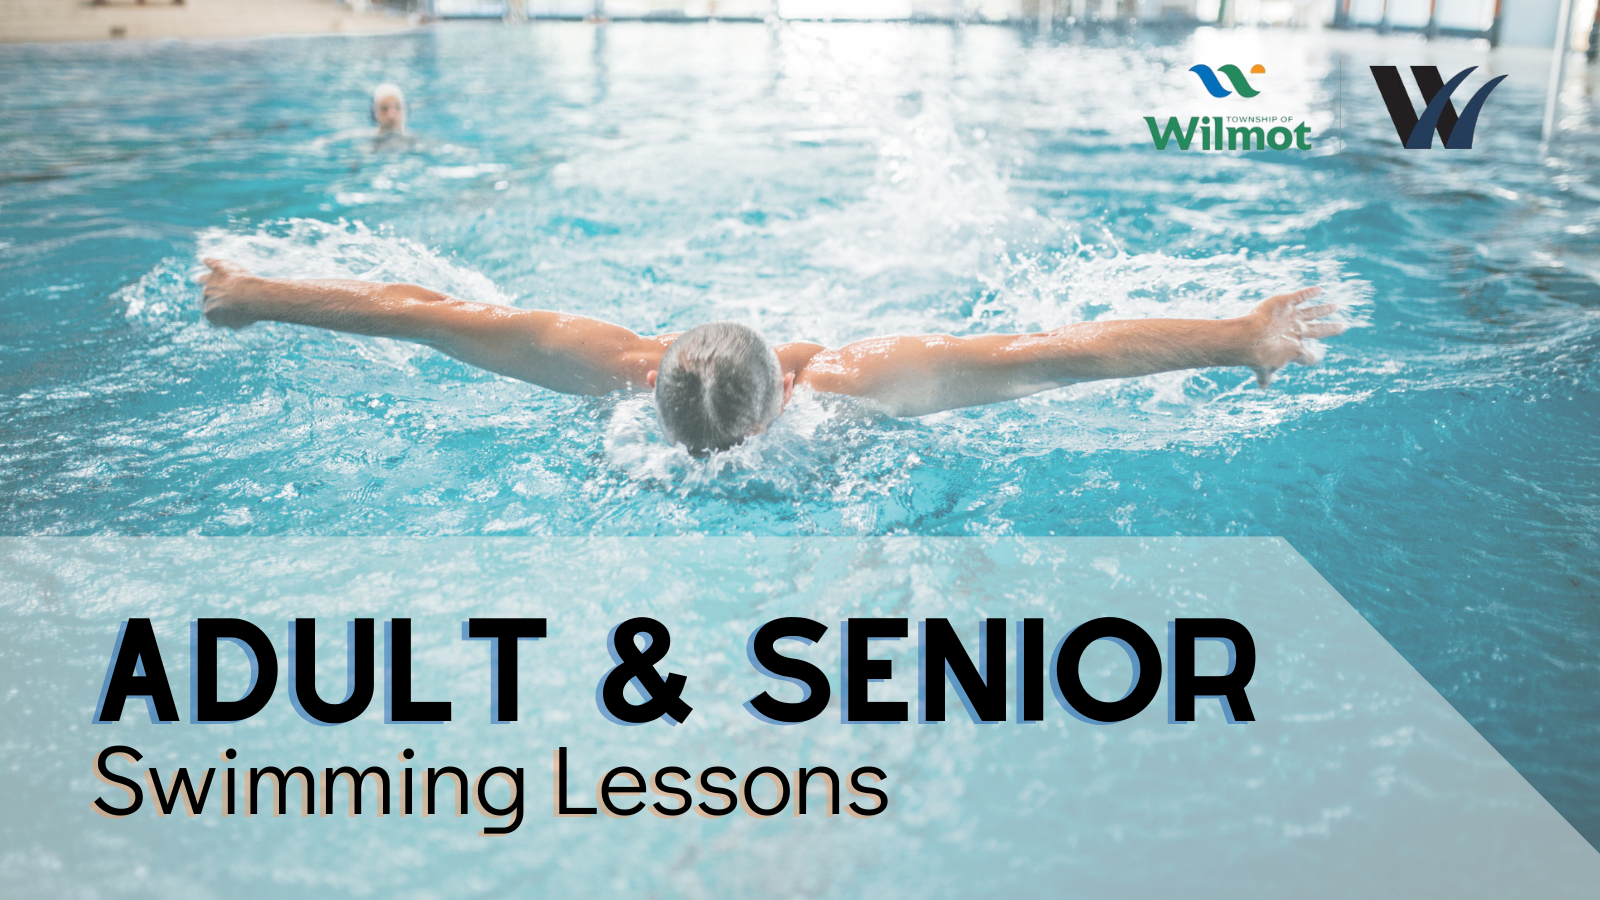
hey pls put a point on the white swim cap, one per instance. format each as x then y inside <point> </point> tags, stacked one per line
<point>386,89</point>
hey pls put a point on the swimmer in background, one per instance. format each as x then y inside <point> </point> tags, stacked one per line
<point>717,384</point>
<point>389,112</point>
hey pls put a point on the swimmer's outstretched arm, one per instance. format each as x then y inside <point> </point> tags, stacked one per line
<point>571,354</point>
<point>914,375</point>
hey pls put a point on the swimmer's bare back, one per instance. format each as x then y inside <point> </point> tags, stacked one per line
<point>905,375</point>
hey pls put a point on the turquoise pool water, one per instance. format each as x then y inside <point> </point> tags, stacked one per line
<point>830,183</point>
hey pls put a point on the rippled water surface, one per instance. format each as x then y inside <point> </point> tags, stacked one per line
<point>831,183</point>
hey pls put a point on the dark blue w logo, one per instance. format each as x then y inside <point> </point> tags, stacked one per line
<point>1440,115</point>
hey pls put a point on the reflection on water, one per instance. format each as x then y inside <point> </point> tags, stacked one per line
<point>830,183</point>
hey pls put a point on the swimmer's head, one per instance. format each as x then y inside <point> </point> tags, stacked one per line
<point>389,108</point>
<point>717,385</point>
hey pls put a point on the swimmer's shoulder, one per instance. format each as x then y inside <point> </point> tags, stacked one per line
<point>815,366</point>
<point>394,143</point>
<point>794,357</point>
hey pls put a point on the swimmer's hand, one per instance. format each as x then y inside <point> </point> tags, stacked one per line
<point>1279,328</point>
<point>224,299</point>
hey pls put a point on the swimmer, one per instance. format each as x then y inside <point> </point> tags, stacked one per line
<point>720,383</point>
<point>389,112</point>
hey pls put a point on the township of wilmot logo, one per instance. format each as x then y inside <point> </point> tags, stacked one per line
<point>1230,132</point>
<point>1416,132</point>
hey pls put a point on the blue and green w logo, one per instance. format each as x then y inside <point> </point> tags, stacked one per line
<point>1235,77</point>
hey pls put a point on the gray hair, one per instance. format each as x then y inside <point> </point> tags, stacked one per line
<point>718,384</point>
